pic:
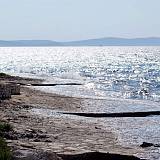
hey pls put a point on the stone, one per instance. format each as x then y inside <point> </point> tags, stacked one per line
<point>15,88</point>
<point>37,140</point>
<point>35,155</point>
<point>42,136</point>
<point>98,156</point>
<point>5,92</point>
<point>145,144</point>
<point>48,140</point>
<point>8,89</point>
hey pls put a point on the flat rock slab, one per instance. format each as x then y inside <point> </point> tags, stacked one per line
<point>98,156</point>
<point>35,155</point>
<point>123,114</point>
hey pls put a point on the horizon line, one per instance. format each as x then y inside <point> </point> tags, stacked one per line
<point>149,37</point>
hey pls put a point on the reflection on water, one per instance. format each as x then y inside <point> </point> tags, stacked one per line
<point>126,72</point>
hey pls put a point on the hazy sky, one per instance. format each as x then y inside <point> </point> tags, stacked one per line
<point>64,20</point>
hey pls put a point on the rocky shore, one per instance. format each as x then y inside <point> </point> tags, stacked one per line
<point>38,137</point>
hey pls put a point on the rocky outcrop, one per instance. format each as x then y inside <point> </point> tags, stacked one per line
<point>98,156</point>
<point>120,114</point>
<point>8,89</point>
<point>146,144</point>
<point>48,155</point>
<point>5,91</point>
<point>15,88</point>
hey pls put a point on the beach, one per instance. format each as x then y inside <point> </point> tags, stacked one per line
<point>79,80</point>
<point>82,99</point>
<point>39,125</point>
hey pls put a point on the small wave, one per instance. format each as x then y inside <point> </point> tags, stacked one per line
<point>71,75</point>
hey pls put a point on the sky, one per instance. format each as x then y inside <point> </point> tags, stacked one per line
<point>66,20</point>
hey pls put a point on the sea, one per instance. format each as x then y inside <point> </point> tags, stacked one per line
<point>124,72</point>
<point>119,78</point>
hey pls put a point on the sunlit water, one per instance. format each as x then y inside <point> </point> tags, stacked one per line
<point>125,72</point>
<point>117,79</point>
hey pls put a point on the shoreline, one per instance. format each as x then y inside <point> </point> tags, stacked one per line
<point>61,135</point>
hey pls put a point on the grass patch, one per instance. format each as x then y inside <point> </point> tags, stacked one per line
<point>5,153</point>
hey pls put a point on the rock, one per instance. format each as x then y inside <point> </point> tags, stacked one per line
<point>29,135</point>
<point>35,155</point>
<point>8,89</point>
<point>25,145</point>
<point>15,88</point>
<point>37,140</point>
<point>48,155</point>
<point>5,91</point>
<point>31,130</point>
<point>48,140</point>
<point>145,144</point>
<point>42,136</point>
<point>98,156</point>
<point>157,145</point>
<point>10,136</point>
<point>114,115</point>
<point>97,127</point>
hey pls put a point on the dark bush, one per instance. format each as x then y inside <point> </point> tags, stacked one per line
<point>5,153</point>
<point>4,75</point>
<point>5,127</point>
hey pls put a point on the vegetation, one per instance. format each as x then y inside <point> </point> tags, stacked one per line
<point>4,75</point>
<point>5,127</point>
<point>5,153</point>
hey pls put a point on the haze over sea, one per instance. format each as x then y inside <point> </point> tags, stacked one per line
<point>123,72</point>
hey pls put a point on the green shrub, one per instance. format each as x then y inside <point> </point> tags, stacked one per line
<point>5,127</point>
<point>5,153</point>
<point>4,75</point>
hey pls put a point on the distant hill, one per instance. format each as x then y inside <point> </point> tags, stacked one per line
<point>90,42</point>
<point>28,43</point>
<point>117,42</point>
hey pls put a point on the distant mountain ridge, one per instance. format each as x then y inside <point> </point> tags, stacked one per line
<point>28,43</point>
<point>155,41</point>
